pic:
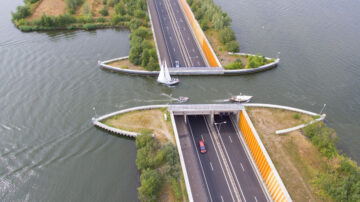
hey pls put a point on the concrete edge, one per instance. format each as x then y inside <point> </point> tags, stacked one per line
<point>202,32</point>
<point>153,33</point>
<point>97,121</point>
<point>280,107</point>
<point>182,161</point>
<point>271,164</point>
<point>283,131</point>
<point>187,72</point>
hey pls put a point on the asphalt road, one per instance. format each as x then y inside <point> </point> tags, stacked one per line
<point>227,177</point>
<point>176,36</point>
<point>247,180</point>
<point>215,180</point>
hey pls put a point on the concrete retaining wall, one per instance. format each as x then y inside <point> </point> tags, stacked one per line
<point>283,131</point>
<point>200,36</point>
<point>263,161</point>
<point>97,121</point>
<point>196,71</point>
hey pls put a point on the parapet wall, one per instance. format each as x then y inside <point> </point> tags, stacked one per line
<point>200,36</point>
<point>265,166</point>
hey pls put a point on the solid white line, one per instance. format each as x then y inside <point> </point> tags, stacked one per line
<point>255,198</point>
<point>222,199</point>
<point>231,165</point>
<point>242,167</point>
<point>230,139</point>
<point>202,137</point>
<point>212,168</point>
<point>197,154</point>
<point>218,157</point>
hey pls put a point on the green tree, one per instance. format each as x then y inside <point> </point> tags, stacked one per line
<point>232,46</point>
<point>226,35</point>
<point>120,9</point>
<point>145,57</point>
<point>104,11</point>
<point>150,185</point>
<point>21,13</point>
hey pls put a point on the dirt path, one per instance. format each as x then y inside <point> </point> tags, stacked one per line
<point>295,158</point>
<point>50,8</point>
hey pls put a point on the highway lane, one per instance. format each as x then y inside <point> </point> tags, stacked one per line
<point>215,179</point>
<point>177,35</point>
<point>247,180</point>
<point>168,34</point>
<point>192,47</point>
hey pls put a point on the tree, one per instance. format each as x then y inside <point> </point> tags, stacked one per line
<point>232,46</point>
<point>145,57</point>
<point>226,35</point>
<point>150,185</point>
<point>135,54</point>
<point>21,13</point>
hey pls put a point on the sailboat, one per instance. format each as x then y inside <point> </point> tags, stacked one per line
<point>164,76</point>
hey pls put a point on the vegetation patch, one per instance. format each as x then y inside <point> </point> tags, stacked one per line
<point>90,15</point>
<point>159,166</point>
<point>307,160</point>
<point>216,25</point>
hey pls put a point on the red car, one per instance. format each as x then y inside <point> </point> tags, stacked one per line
<point>202,146</point>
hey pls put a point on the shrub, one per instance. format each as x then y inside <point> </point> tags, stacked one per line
<point>120,9</point>
<point>134,24</point>
<point>150,185</point>
<point>296,116</point>
<point>89,26</point>
<point>226,35</point>
<point>204,24</point>
<point>72,5</point>
<point>139,14</point>
<point>104,11</point>
<point>86,10</point>
<point>31,1</point>
<point>235,65</point>
<point>323,138</point>
<point>21,13</point>
<point>25,28</point>
<point>113,2</point>
<point>140,32</point>
<point>104,2</point>
<point>232,46</point>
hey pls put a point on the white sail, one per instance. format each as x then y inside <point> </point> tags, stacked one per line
<point>161,77</point>
<point>166,73</point>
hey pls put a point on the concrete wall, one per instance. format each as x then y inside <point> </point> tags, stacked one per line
<point>266,168</point>
<point>200,36</point>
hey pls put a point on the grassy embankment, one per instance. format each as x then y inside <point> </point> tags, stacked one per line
<point>308,162</point>
<point>38,15</point>
<point>157,158</point>
<point>216,25</point>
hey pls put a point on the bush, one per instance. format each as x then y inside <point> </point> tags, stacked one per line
<point>150,185</point>
<point>21,13</point>
<point>120,9</point>
<point>139,14</point>
<point>204,24</point>
<point>104,2</point>
<point>72,5</point>
<point>113,2</point>
<point>25,28</point>
<point>86,10</point>
<point>104,11</point>
<point>134,24</point>
<point>232,46</point>
<point>31,1</point>
<point>226,35</point>
<point>235,65</point>
<point>89,26</point>
<point>323,138</point>
<point>296,116</point>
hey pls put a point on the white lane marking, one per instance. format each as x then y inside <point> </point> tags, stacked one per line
<point>218,157</point>
<point>202,168</point>
<point>242,167</point>
<point>230,139</point>
<point>212,168</point>
<point>222,199</point>
<point>202,137</point>
<point>255,198</point>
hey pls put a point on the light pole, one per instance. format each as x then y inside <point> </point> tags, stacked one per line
<point>216,124</point>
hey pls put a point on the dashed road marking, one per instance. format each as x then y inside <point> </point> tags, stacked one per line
<point>202,137</point>
<point>230,139</point>
<point>222,199</point>
<point>212,168</point>
<point>255,198</point>
<point>242,167</point>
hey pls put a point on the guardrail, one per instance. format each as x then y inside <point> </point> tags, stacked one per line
<point>262,159</point>
<point>200,36</point>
